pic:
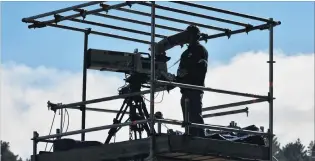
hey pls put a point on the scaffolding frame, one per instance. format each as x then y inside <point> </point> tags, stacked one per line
<point>268,24</point>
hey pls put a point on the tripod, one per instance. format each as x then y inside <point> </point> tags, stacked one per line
<point>135,104</point>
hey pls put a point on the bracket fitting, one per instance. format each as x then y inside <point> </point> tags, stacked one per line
<point>105,7</point>
<point>129,3</point>
<point>269,96</point>
<point>57,18</point>
<point>203,36</point>
<point>83,13</point>
<point>273,23</point>
<point>53,106</point>
<point>158,115</point>
<point>186,123</point>
<point>248,28</point>
<point>38,24</point>
<point>88,31</point>
<point>35,136</point>
<point>228,33</point>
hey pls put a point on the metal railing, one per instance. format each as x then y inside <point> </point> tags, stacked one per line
<point>266,24</point>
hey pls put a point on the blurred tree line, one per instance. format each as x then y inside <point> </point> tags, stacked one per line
<point>7,154</point>
<point>293,151</point>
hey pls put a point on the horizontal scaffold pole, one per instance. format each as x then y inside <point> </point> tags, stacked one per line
<point>232,112</point>
<point>30,19</point>
<point>90,130</point>
<point>221,11</point>
<point>196,14</point>
<point>62,18</point>
<point>209,89</point>
<point>104,99</point>
<point>134,21</point>
<point>100,33</point>
<point>241,103</point>
<point>171,19</point>
<point>214,127</point>
<point>116,27</point>
<point>98,110</point>
<point>245,30</point>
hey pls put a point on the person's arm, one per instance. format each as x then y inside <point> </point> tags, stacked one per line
<point>198,62</point>
<point>194,67</point>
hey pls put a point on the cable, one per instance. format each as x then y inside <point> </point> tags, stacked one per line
<point>162,98</point>
<point>67,120</point>
<point>124,84</point>
<point>51,147</point>
<point>64,118</point>
<point>275,158</point>
<point>173,64</point>
<point>52,123</point>
<point>154,98</point>
<point>157,94</point>
<point>165,126</point>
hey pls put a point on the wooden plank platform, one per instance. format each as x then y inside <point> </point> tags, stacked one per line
<point>168,148</point>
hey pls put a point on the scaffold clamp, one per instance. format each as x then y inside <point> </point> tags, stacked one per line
<point>83,13</point>
<point>129,3</point>
<point>57,18</point>
<point>228,33</point>
<point>248,28</point>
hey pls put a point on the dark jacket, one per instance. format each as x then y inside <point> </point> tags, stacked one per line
<point>194,61</point>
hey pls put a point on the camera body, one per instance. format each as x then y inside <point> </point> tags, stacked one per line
<point>124,62</point>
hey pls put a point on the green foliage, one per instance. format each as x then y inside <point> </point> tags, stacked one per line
<point>6,154</point>
<point>294,151</point>
<point>276,147</point>
<point>310,148</point>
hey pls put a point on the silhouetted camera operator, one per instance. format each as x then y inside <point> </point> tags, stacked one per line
<point>192,70</point>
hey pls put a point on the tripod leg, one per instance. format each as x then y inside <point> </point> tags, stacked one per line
<point>144,110</point>
<point>135,133</point>
<point>121,112</point>
<point>140,134</point>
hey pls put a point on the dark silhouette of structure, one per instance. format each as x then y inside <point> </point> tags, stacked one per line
<point>157,146</point>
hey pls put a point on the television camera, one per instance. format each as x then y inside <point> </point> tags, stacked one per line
<point>137,66</point>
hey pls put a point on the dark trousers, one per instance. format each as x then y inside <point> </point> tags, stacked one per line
<point>194,110</point>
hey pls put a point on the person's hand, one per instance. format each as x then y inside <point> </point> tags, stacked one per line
<point>168,76</point>
<point>172,78</point>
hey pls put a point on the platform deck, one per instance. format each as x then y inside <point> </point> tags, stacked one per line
<point>168,148</point>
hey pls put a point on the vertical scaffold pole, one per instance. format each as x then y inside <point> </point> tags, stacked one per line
<point>35,141</point>
<point>271,61</point>
<point>152,84</point>
<point>83,107</point>
<point>61,120</point>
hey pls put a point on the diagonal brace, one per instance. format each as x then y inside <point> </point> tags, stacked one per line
<point>209,89</point>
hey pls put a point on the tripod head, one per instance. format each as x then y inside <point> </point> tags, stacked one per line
<point>135,82</point>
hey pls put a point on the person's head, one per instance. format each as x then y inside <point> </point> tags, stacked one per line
<point>194,33</point>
